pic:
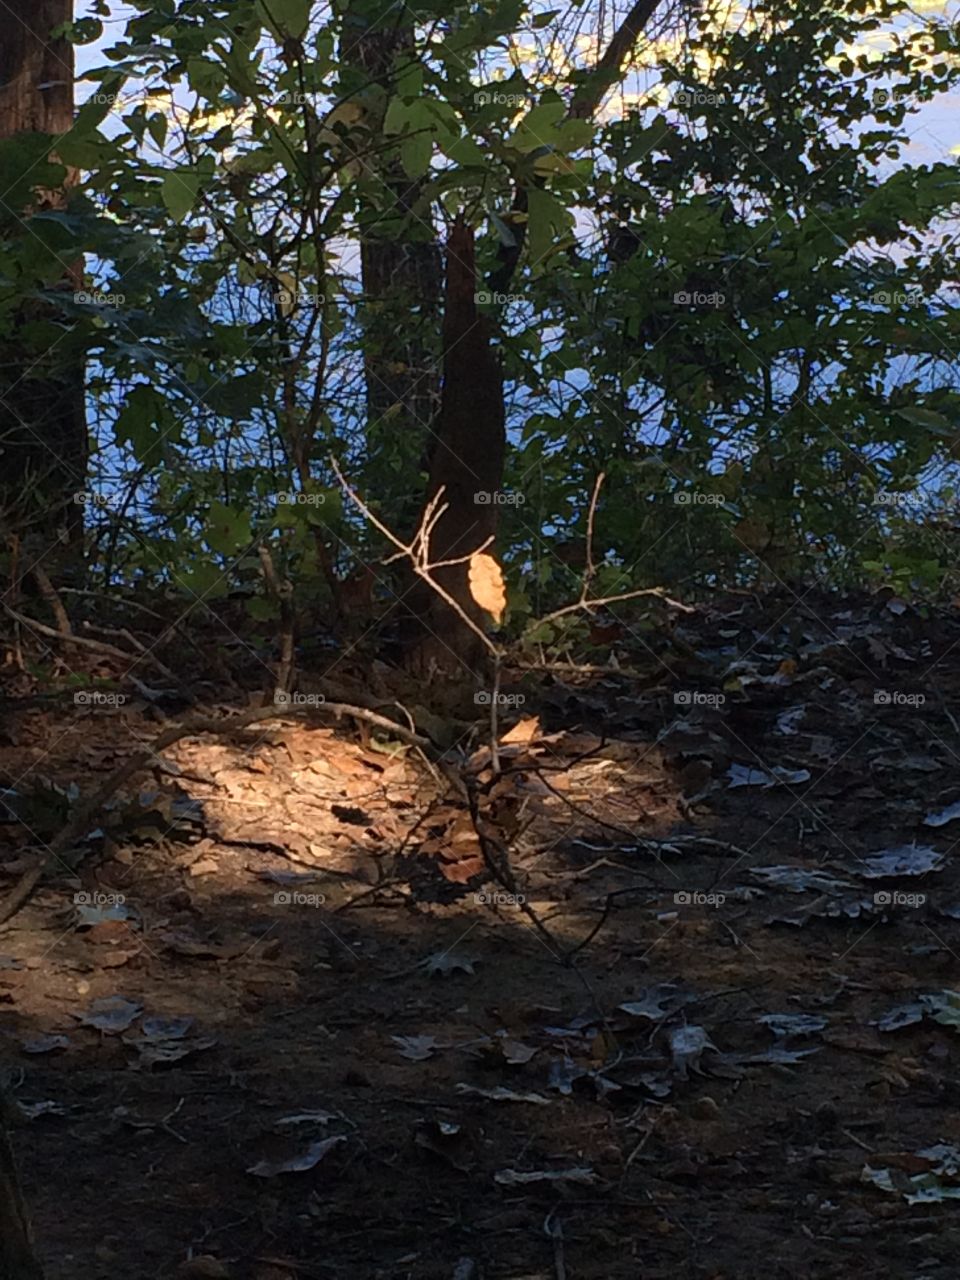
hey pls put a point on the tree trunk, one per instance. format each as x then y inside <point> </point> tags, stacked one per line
<point>400,269</point>
<point>43,435</point>
<point>467,463</point>
<point>17,1260</point>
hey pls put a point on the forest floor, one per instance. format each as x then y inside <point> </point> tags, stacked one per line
<point>281,1023</point>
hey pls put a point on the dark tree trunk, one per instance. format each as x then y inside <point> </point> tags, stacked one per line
<point>17,1260</point>
<point>400,265</point>
<point>467,463</point>
<point>43,435</point>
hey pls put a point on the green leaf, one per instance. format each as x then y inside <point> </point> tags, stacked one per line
<point>547,219</point>
<point>538,128</point>
<point>227,529</point>
<point>415,155</point>
<point>466,151</point>
<point>180,189</point>
<point>925,418</point>
<point>286,17</point>
<point>139,423</point>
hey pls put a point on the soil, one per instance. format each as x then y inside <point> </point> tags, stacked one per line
<point>275,1017</point>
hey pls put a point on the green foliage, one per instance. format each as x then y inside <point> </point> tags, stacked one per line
<point>732,296</point>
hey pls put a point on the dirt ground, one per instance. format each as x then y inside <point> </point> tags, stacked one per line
<point>276,1019</point>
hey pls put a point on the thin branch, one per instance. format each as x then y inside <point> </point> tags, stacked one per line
<point>417,550</point>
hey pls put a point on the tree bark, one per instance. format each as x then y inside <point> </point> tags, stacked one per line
<point>467,464</point>
<point>17,1259</point>
<point>43,434</point>
<point>400,261</point>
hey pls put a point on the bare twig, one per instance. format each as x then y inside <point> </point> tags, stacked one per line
<point>418,550</point>
<point>95,646</point>
<point>590,569</point>
<point>49,593</point>
<point>282,593</point>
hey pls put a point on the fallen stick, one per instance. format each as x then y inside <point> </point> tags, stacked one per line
<point>89,806</point>
<point>96,646</point>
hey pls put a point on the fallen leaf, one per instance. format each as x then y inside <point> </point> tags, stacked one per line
<point>301,1163</point>
<point>905,860</point>
<point>447,962</point>
<point>500,1094</point>
<point>512,1178</point>
<point>943,816</point>
<point>112,1014</point>
<point>486,585</point>
<point>523,731</point>
<point>45,1044</point>
<point>416,1048</point>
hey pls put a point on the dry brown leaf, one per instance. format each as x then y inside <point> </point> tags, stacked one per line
<point>525,730</point>
<point>486,585</point>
